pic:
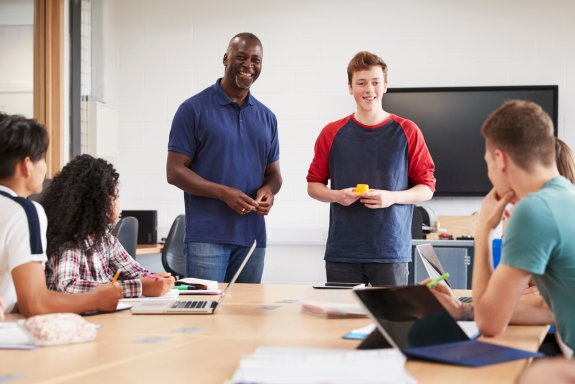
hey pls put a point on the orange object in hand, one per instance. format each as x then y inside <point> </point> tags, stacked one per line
<point>360,189</point>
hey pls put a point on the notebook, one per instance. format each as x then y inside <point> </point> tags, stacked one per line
<point>189,306</point>
<point>434,268</point>
<point>411,320</point>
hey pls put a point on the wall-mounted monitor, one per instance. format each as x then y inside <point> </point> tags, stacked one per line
<point>451,119</point>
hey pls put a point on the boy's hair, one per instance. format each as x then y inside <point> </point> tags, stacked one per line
<point>20,137</point>
<point>78,203</point>
<point>364,60</point>
<point>565,160</point>
<point>524,131</point>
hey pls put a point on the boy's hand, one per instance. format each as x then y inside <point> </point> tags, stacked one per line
<point>378,198</point>
<point>107,297</point>
<point>346,197</point>
<point>446,297</point>
<point>492,209</point>
<point>157,287</point>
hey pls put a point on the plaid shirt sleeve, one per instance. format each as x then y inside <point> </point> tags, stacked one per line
<point>129,278</point>
<point>66,274</point>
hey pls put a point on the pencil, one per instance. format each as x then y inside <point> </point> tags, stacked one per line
<point>116,276</point>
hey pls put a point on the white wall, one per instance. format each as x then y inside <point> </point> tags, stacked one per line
<point>161,52</point>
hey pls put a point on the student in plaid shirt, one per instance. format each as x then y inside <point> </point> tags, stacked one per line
<point>82,203</point>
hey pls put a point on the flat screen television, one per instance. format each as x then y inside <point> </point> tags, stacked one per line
<point>451,118</point>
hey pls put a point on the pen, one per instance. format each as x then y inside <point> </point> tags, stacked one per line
<point>152,276</point>
<point>116,276</point>
<point>434,282</point>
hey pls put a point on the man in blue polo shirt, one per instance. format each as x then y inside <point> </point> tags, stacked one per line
<point>223,153</point>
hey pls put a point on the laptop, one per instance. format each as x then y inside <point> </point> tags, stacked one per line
<point>412,320</point>
<point>434,268</point>
<point>183,307</point>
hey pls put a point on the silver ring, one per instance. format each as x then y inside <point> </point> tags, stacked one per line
<point>243,210</point>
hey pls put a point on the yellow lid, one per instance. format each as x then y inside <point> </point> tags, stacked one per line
<point>360,189</point>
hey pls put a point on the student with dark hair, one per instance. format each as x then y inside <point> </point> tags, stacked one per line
<point>369,238</point>
<point>82,203</point>
<point>23,146</point>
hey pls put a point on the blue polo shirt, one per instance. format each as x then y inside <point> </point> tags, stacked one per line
<point>228,145</point>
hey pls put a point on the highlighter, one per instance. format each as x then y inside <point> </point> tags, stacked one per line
<point>434,282</point>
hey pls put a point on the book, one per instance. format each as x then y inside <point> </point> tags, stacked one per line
<point>197,286</point>
<point>333,309</point>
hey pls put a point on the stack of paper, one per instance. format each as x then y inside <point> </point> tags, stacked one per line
<point>13,336</point>
<point>333,310</point>
<point>309,365</point>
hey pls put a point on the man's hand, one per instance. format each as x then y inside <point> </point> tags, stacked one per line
<point>107,297</point>
<point>239,201</point>
<point>265,199</point>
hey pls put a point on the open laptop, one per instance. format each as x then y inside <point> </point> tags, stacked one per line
<point>189,306</point>
<point>434,268</point>
<point>412,320</point>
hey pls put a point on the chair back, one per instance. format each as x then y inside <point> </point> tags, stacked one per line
<point>126,230</point>
<point>173,259</point>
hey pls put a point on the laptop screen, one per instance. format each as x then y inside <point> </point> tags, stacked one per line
<point>431,261</point>
<point>410,316</point>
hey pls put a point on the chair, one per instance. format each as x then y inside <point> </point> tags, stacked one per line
<point>126,230</point>
<point>173,258</point>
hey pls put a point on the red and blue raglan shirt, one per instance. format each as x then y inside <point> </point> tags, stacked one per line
<point>391,156</point>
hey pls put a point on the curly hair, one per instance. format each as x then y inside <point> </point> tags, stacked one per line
<point>79,203</point>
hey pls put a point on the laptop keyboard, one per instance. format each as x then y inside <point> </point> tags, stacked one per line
<point>190,304</point>
<point>465,299</point>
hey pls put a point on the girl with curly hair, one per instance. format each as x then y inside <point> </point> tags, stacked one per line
<point>82,204</point>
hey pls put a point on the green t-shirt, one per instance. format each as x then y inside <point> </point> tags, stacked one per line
<point>540,238</point>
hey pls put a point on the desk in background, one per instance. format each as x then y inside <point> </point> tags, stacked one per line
<point>149,249</point>
<point>208,348</point>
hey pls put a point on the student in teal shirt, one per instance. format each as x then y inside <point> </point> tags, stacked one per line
<point>520,157</point>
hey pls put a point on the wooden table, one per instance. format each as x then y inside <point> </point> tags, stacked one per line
<point>148,249</point>
<point>207,348</point>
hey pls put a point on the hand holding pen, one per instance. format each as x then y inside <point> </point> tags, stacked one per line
<point>156,284</point>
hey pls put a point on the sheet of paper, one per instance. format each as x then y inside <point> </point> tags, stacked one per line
<point>172,294</point>
<point>201,292</point>
<point>310,365</point>
<point>12,336</point>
